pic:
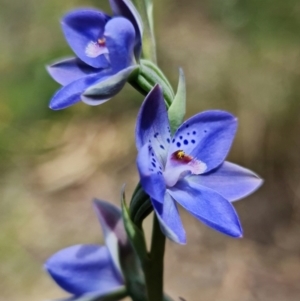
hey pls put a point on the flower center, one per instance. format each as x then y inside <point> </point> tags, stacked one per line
<point>94,49</point>
<point>179,165</point>
<point>181,156</point>
<point>102,42</point>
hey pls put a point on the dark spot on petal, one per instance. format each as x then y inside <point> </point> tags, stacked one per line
<point>159,173</point>
<point>188,133</point>
<point>162,147</point>
<point>151,169</point>
<point>153,164</point>
<point>194,132</point>
<point>180,137</point>
<point>205,131</point>
<point>160,168</point>
<point>185,142</point>
<point>193,141</point>
<point>168,140</point>
<point>153,159</point>
<point>178,144</point>
<point>187,125</point>
<point>173,140</point>
<point>152,154</point>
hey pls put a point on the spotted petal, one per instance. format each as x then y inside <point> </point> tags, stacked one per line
<point>68,70</point>
<point>231,181</point>
<point>153,125</point>
<point>208,206</point>
<point>169,219</point>
<point>206,137</point>
<point>150,170</point>
<point>84,269</point>
<point>82,27</point>
<point>126,9</point>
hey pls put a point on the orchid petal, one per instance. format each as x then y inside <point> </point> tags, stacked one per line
<point>208,206</point>
<point>68,70</point>
<point>84,269</point>
<point>71,94</point>
<point>126,9</point>
<point>231,181</point>
<point>169,219</point>
<point>82,27</point>
<point>119,35</point>
<point>153,125</point>
<point>150,171</point>
<point>180,165</point>
<point>110,218</point>
<point>105,89</point>
<point>206,136</point>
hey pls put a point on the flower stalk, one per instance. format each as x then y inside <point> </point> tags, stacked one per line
<point>149,45</point>
<point>154,270</point>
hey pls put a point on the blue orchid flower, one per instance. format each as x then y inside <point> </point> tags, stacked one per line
<point>189,168</point>
<point>92,270</point>
<point>105,48</point>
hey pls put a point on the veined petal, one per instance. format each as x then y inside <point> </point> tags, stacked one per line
<point>119,35</point>
<point>82,27</point>
<point>106,88</point>
<point>83,269</point>
<point>153,125</point>
<point>126,9</point>
<point>71,94</point>
<point>169,219</point>
<point>231,181</point>
<point>110,218</point>
<point>206,137</point>
<point>68,70</point>
<point>208,206</point>
<point>150,171</point>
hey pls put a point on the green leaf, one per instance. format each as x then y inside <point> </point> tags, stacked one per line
<point>150,75</point>
<point>132,262</point>
<point>133,275</point>
<point>177,109</point>
<point>159,73</point>
<point>140,205</point>
<point>135,234</point>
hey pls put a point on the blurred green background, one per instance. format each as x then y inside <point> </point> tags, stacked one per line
<point>238,55</point>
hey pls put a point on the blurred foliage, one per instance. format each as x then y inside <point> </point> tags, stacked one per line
<point>238,55</point>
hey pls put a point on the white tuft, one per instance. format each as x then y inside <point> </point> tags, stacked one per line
<point>197,167</point>
<point>93,49</point>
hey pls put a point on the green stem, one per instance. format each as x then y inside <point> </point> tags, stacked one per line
<point>154,268</point>
<point>149,47</point>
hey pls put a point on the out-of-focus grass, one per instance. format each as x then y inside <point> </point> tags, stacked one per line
<point>238,55</point>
